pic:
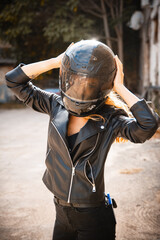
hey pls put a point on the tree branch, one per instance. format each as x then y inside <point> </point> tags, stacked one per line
<point>90,5</point>
<point>116,10</point>
<point>108,3</point>
<point>111,6</point>
<point>105,22</point>
<point>95,6</point>
<point>121,7</point>
<point>90,11</point>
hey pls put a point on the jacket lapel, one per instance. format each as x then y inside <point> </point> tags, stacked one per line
<point>90,128</point>
<point>60,121</point>
<point>93,127</point>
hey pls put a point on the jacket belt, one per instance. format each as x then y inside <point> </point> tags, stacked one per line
<point>76,205</point>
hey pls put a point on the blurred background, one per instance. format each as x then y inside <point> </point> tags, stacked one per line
<point>36,30</point>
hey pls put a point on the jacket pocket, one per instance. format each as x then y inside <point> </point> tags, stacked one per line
<point>88,172</point>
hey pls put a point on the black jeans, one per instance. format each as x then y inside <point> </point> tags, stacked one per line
<point>96,223</point>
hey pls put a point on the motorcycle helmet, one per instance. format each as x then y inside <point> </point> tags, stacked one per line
<point>86,76</point>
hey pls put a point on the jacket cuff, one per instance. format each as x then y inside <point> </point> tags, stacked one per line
<point>17,76</point>
<point>143,113</point>
<point>137,103</point>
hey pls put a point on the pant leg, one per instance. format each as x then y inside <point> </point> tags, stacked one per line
<point>96,223</point>
<point>63,229</point>
<point>84,223</point>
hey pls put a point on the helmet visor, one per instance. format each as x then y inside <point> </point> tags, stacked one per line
<point>83,87</point>
<point>81,109</point>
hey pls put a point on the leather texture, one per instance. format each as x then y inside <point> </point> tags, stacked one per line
<point>80,179</point>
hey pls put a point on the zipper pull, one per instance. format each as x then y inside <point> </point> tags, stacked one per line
<point>94,188</point>
<point>73,171</point>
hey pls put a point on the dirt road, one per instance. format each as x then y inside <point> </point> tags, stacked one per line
<point>26,206</point>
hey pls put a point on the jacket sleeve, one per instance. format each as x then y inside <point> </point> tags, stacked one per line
<point>36,98</point>
<point>140,128</point>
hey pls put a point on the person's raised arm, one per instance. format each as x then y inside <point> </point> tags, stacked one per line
<point>145,121</point>
<point>33,70</point>
<point>19,81</point>
<point>119,87</point>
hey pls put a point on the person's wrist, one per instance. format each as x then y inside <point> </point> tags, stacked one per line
<point>118,88</point>
<point>54,62</point>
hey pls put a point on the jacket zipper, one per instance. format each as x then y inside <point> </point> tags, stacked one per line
<point>73,167</point>
<point>73,172</point>
<point>71,182</point>
<point>93,182</point>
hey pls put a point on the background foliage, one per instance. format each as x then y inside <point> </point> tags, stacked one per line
<point>42,29</point>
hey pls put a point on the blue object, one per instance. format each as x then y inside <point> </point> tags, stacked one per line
<point>109,199</point>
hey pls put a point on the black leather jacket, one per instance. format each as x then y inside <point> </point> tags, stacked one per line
<point>81,179</point>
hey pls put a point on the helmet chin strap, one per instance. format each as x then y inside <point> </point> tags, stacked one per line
<point>101,104</point>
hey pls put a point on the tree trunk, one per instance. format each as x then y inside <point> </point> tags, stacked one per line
<point>120,48</point>
<point>153,70</point>
<point>144,52</point>
<point>120,33</point>
<point>117,12</point>
<point>105,22</point>
<point>159,46</point>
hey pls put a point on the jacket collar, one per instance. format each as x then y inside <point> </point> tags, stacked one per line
<point>60,121</point>
<point>91,128</point>
<point>88,130</point>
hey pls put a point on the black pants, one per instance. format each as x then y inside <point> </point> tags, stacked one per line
<point>96,223</point>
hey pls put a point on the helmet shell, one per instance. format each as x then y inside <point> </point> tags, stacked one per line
<point>86,76</point>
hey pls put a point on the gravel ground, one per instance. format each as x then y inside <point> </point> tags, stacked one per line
<point>26,206</point>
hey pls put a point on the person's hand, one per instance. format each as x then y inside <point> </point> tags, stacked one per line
<point>119,87</point>
<point>118,81</point>
<point>59,58</point>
